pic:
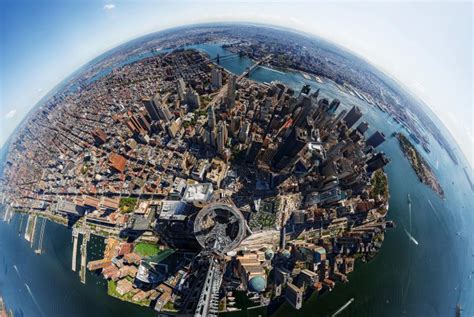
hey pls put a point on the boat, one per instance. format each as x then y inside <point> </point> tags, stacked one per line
<point>409,198</point>
<point>458,310</point>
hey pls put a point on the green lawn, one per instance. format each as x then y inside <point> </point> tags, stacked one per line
<point>146,249</point>
<point>127,204</point>
<point>112,291</point>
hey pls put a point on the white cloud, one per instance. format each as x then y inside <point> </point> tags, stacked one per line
<point>109,7</point>
<point>10,114</point>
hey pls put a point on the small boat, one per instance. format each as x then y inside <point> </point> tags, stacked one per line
<point>409,198</point>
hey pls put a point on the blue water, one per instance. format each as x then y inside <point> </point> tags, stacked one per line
<point>405,279</point>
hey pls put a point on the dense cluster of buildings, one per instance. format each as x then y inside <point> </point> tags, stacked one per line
<point>146,149</point>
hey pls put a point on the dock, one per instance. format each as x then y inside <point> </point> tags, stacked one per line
<point>85,240</point>
<point>75,236</point>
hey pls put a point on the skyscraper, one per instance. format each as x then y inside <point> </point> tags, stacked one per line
<point>151,108</point>
<point>352,117</point>
<point>221,137</point>
<point>216,78</point>
<point>362,127</point>
<point>378,161</point>
<point>181,87</point>
<point>162,110</point>
<point>254,149</point>
<point>231,90</point>
<point>192,99</point>
<point>375,139</point>
<point>211,117</point>
<point>290,148</point>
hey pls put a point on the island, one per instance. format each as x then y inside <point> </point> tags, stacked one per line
<point>208,186</point>
<point>420,166</point>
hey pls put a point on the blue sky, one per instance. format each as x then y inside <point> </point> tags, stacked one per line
<point>425,45</point>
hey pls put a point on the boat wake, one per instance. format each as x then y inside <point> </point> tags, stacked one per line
<point>411,237</point>
<point>409,213</point>
<point>34,299</point>
<point>340,310</point>
<point>271,69</point>
<point>16,269</point>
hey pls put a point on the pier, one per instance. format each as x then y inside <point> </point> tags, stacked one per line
<point>39,250</point>
<point>85,239</point>
<point>75,236</point>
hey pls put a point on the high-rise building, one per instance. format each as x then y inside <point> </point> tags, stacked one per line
<point>244,132</point>
<point>162,110</point>
<point>192,99</point>
<point>289,148</point>
<point>378,161</point>
<point>362,127</point>
<point>306,111</point>
<point>305,90</point>
<point>231,87</point>
<point>216,78</point>
<point>254,149</point>
<point>221,137</point>
<point>375,139</point>
<point>181,87</point>
<point>333,106</point>
<point>211,117</point>
<point>352,117</point>
<point>151,108</point>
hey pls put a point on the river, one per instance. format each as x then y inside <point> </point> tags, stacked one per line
<point>427,278</point>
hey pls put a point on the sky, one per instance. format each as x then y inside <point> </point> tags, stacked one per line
<point>427,46</point>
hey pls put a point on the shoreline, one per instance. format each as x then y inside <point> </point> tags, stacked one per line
<point>419,165</point>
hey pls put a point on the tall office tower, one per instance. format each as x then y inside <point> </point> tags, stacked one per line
<point>143,121</point>
<point>339,117</point>
<point>216,78</point>
<point>362,127</point>
<point>221,137</point>
<point>305,90</point>
<point>251,103</point>
<point>235,125</point>
<point>163,111</point>
<point>333,106</point>
<point>357,134</point>
<point>231,86</point>
<point>289,148</point>
<point>378,161</point>
<point>192,99</point>
<point>151,108</point>
<point>307,110</point>
<point>315,95</point>
<point>181,87</point>
<point>352,117</point>
<point>244,132</point>
<point>211,118</point>
<point>375,139</point>
<point>254,149</point>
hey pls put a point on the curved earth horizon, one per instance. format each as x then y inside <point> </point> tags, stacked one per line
<point>354,199</point>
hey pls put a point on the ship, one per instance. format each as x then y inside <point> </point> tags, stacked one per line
<point>409,198</point>
<point>458,310</point>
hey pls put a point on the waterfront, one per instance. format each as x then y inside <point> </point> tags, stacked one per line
<point>45,285</point>
<point>427,279</point>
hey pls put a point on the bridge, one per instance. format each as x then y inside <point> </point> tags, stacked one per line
<point>223,91</point>
<point>219,58</point>
<point>248,71</point>
<point>208,304</point>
